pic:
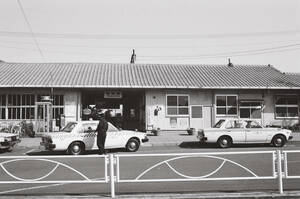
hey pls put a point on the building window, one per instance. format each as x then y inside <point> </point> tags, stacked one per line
<point>226,105</point>
<point>196,111</point>
<point>286,107</point>
<point>250,109</point>
<point>20,106</point>
<point>177,105</point>
<point>2,106</point>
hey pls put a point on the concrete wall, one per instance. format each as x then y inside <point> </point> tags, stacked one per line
<point>206,98</point>
<point>157,98</point>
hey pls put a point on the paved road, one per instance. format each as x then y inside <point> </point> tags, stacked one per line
<point>92,166</point>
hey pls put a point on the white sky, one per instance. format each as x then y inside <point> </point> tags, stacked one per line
<point>161,31</point>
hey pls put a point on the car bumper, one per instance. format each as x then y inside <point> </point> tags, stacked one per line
<point>47,146</point>
<point>145,140</point>
<point>290,137</point>
<point>8,144</point>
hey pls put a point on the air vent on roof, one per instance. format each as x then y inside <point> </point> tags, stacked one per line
<point>133,57</point>
<point>229,63</point>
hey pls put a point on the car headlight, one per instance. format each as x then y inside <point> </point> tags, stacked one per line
<point>7,139</point>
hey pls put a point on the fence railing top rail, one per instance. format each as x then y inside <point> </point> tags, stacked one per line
<point>195,154</point>
<point>52,156</point>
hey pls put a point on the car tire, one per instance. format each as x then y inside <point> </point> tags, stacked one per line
<point>225,142</point>
<point>132,145</point>
<point>278,141</point>
<point>76,148</point>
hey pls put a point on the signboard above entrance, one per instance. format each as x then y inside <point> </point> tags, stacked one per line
<point>113,94</point>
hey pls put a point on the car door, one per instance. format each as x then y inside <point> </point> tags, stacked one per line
<point>89,135</point>
<point>114,137</point>
<point>254,132</point>
<point>235,129</point>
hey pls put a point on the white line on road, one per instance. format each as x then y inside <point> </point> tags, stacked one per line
<point>294,161</point>
<point>29,188</point>
<point>30,151</point>
<point>39,187</point>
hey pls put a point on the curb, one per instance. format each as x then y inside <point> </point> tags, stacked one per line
<point>145,145</point>
<point>219,195</point>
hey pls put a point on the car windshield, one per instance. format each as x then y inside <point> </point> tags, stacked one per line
<point>219,124</point>
<point>69,127</point>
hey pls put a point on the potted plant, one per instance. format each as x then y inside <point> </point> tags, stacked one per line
<point>191,131</point>
<point>155,131</point>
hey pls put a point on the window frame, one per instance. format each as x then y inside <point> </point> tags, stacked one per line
<point>250,108</point>
<point>177,107</point>
<point>16,108</point>
<point>226,106</point>
<point>286,106</point>
<point>17,105</point>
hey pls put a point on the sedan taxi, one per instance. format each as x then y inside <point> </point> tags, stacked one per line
<point>8,141</point>
<point>77,137</point>
<point>235,131</point>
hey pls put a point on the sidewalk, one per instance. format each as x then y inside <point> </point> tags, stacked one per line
<point>166,138</point>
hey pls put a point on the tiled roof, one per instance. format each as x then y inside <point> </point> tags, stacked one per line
<point>102,75</point>
<point>294,77</point>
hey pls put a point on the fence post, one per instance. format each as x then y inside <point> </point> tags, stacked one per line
<point>112,176</point>
<point>279,171</point>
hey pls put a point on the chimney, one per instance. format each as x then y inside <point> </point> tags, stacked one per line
<point>229,63</point>
<point>133,57</point>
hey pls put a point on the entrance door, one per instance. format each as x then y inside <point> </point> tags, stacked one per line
<point>134,111</point>
<point>196,117</point>
<point>43,117</point>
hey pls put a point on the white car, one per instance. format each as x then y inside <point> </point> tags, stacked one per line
<point>8,141</point>
<point>76,137</point>
<point>235,131</point>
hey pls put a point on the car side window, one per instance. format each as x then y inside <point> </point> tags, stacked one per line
<point>89,128</point>
<point>112,128</point>
<point>252,125</point>
<point>234,124</point>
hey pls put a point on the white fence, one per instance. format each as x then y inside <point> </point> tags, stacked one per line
<point>48,166</point>
<point>177,167</point>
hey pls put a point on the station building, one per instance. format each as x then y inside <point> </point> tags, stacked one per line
<point>148,96</point>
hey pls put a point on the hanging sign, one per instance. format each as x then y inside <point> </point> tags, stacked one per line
<point>113,94</point>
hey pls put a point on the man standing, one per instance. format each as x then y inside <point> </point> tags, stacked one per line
<point>101,134</point>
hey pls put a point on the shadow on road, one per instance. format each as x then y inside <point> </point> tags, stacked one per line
<point>88,152</point>
<point>198,145</point>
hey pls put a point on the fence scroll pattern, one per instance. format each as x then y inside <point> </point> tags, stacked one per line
<point>54,163</point>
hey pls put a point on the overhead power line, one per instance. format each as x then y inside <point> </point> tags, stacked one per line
<point>286,47</point>
<point>30,29</point>
<point>145,46</point>
<point>148,36</point>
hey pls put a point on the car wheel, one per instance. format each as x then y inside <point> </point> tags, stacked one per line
<point>278,141</point>
<point>76,148</point>
<point>225,142</point>
<point>132,145</point>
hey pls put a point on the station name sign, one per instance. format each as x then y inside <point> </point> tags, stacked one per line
<point>113,94</point>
